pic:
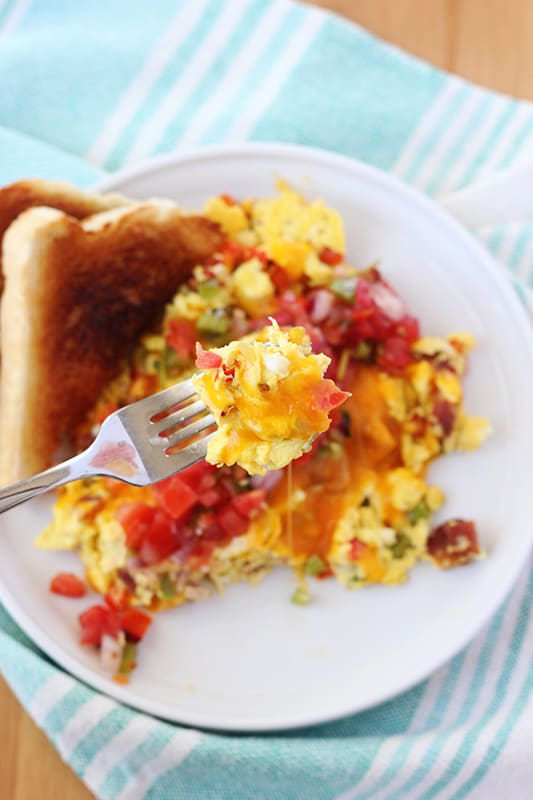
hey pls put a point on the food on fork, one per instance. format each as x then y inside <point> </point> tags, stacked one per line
<point>356,507</point>
<point>269,398</point>
<point>78,295</point>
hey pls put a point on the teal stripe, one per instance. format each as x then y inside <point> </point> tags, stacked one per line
<point>460,142</point>
<point>520,246</point>
<point>501,737</point>
<point>495,241</point>
<point>25,670</point>
<point>168,77</point>
<point>99,737</point>
<point>5,11</point>
<point>517,143</point>
<point>251,86</point>
<point>369,114</point>
<point>490,143</point>
<point>215,75</point>
<point>471,698</point>
<point>520,289</point>
<point>66,708</point>
<point>439,128</point>
<point>470,738</point>
<point>149,749</point>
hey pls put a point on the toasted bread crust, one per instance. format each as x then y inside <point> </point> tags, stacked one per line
<point>19,196</point>
<point>77,297</point>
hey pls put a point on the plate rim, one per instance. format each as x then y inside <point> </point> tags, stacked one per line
<point>272,150</point>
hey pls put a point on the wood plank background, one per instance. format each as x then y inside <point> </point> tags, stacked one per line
<point>486,41</point>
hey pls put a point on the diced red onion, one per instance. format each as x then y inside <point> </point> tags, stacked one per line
<point>268,481</point>
<point>110,653</point>
<point>387,301</point>
<point>322,304</point>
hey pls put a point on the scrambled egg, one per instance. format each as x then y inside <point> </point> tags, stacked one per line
<point>265,395</point>
<point>359,504</point>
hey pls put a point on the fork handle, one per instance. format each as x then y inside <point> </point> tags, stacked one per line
<point>27,488</point>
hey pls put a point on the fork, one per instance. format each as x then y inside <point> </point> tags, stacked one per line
<point>140,444</point>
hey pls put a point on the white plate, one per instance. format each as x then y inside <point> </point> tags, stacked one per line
<point>250,660</point>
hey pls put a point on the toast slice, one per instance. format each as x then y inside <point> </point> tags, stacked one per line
<point>18,197</point>
<point>78,295</point>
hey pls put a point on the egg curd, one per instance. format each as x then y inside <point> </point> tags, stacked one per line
<point>356,504</point>
<point>268,396</point>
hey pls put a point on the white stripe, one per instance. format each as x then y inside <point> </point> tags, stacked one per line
<point>487,734</point>
<point>512,769</point>
<point>424,129</point>
<point>523,154</point>
<point>484,699</point>
<point>448,140</point>
<point>525,265</point>
<point>118,749</point>
<point>498,655</point>
<point>520,118</point>
<point>88,716</point>
<point>267,90</point>
<point>475,143</point>
<point>232,80</point>
<point>529,301</point>
<point>173,754</point>
<point>132,99</point>
<point>419,722</point>
<point>14,18</point>
<point>49,695</point>
<point>206,53</point>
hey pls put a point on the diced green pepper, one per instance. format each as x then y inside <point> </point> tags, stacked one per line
<point>344,287</point>
<point>363,351</point>
<point>128,660</point>
<point>213,322</point>
<point>300,596</point>
<point>314,565</point>
<point>168,589</point>
<point>208,290</point>
<point>401,545</point>
<point>420,511</point>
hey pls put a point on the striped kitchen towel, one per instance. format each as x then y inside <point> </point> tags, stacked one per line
<point>87,88</point>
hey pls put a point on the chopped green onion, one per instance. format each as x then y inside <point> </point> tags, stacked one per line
<point>168,588</point>
<point>300,596</point>
<point>329,450</point>
<point>128,660</point>
<point>344,360</point>
<point>346,423</point>
<point>208,290</point>
<point>213,322</point>
<point>420,511</point>
<point>314,565</point>
<point>401,545</point>
<point>363,351</point>
<point>344,287</point>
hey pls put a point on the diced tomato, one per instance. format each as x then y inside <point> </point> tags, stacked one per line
<point>68,585</point>
<point>212,497</point>
<point>231,521</point>
<point>207,527</point>
<point>200,477</point>
<point>136,519</point>
<point>228,199</point>
<point>117,597</point>
<point>176,496</point>
<point>454,542</point>
<point>331,257</point>
<point>396,354</point>
<point>206,359</point>
<point>97,621</point>
<point>160,540</point>
<point>326,396</point>
<point>182,336</point>
<point>135,623</point>
<point>249,502</point>
<point>357,550</point>
<point>279,277</point>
